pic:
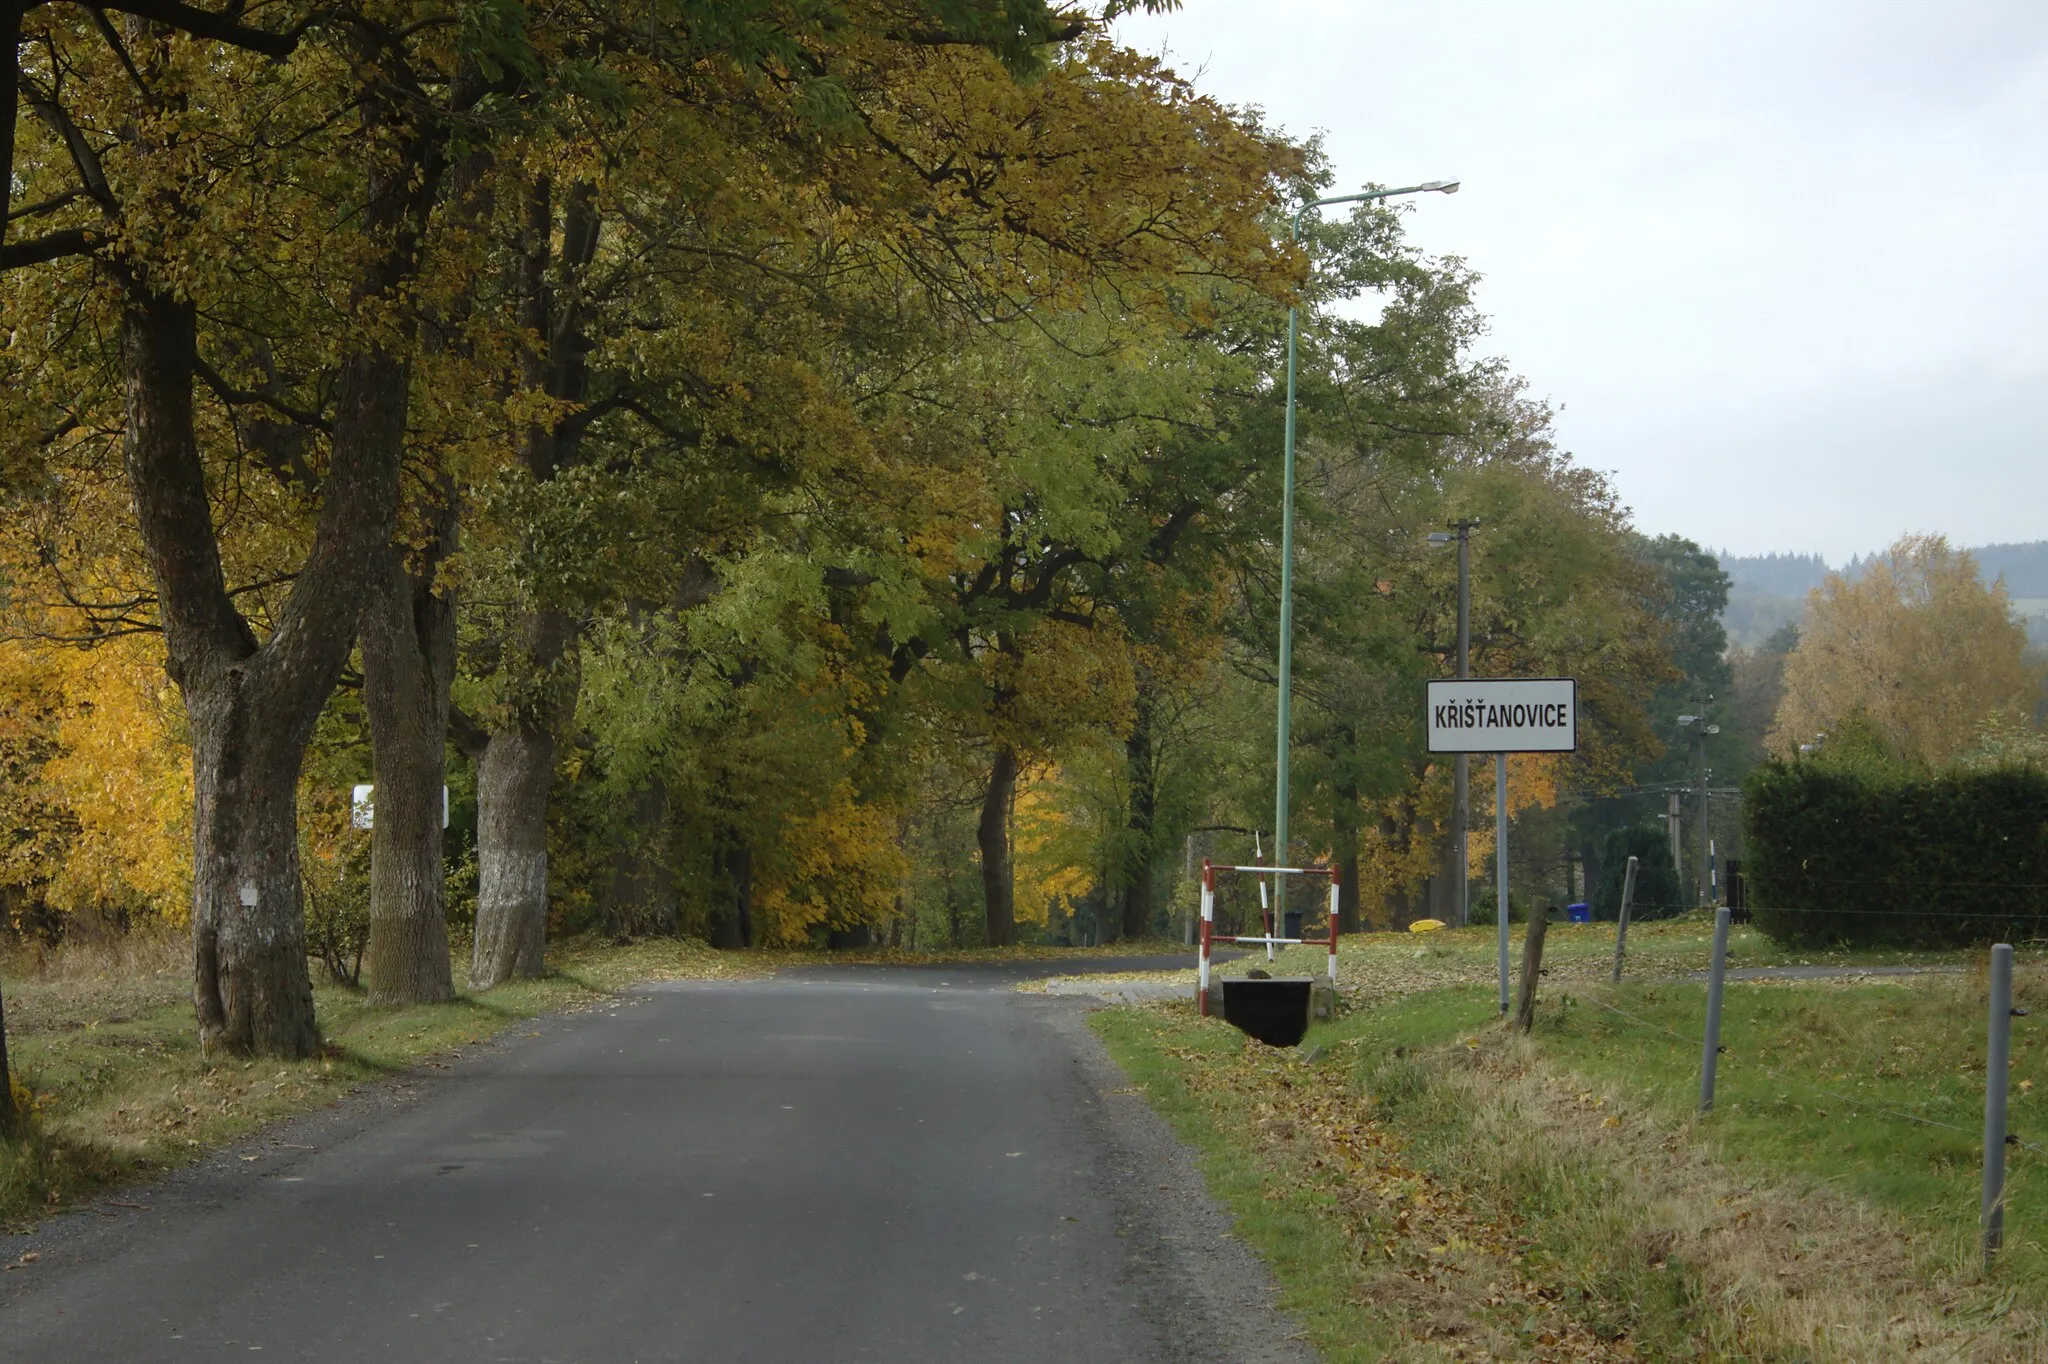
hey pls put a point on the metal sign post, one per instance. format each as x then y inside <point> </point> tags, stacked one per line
<point>1502,716</point>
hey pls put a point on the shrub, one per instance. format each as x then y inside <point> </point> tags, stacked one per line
<point>1484,901</point>
<point>1658,891</point>
<point>1842,856</point>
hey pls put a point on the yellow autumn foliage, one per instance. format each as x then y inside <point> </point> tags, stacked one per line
<point>119,770</point>
<point>1048,849</point>
<point>1534,782</point>
<point>1919,647</point>
<point>839,865</point>
<point>1386,864</point>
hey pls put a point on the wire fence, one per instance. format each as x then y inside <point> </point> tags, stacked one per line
<point>1855,1103</point>
<point>1995,1131</point>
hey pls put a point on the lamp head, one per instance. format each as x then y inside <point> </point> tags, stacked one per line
<point>1688,719</point>
<point>1439,186</point>
<point>1441,537</point>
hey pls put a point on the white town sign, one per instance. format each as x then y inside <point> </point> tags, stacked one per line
<point>1504,715</point>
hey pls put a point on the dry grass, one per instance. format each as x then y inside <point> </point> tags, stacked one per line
<point>1779,1271</point>
<point>1487,1203</point>
<point>101,1034</point>
<point>80,984</point>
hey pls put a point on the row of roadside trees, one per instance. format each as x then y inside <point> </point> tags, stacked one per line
<point>790,470</point>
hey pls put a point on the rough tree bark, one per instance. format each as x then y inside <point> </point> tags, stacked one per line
<point>518,765</point>
<point>252,707</point>
<point>998,887</point>
<point>10,80</point>
<point>734,926</point>
<point>513,777</point>
<point>1144,779</point>
<point>10,87</point>
<point>407,630</point>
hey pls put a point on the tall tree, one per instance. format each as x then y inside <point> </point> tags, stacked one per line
<point>1917,648</point>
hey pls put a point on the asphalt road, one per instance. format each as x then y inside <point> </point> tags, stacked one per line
<point>836,1165</point>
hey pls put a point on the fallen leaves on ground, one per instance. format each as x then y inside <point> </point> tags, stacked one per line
<point>1449,1273</point>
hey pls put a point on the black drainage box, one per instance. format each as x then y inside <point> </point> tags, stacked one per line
<point>1274,1011</point>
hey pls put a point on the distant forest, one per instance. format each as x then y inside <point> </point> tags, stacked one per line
<point>1783,575</point>
<point>2024,566</point>
<point>1768,591</point>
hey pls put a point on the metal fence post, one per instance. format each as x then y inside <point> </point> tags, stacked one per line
<point>1997,1067</point>
<point>1628,899</point>
<point>1500,859</point>
<point>1710,1054</point>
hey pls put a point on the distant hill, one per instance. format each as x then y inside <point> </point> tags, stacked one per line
<point>1781,575</point>
<point>2024,567</point>
<point>1767,591</point>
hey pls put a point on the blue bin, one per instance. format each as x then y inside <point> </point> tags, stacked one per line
<point>1579,914</point>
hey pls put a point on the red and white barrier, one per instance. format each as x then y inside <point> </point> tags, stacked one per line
<point>1209,936</point>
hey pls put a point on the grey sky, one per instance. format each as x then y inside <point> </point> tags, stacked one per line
<point>1780,264</point>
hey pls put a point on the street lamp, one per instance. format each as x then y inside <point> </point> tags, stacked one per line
<point>1287,512</point>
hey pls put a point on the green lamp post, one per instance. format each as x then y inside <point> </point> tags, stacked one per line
<point>1287,515</point>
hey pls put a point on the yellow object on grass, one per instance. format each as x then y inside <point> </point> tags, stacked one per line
<point>1425,925</point>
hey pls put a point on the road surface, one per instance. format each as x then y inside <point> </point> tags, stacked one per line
<point>853,1164</point>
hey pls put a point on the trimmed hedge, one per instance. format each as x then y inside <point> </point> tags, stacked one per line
<point>1658,894</point>
<point>1833,856</point>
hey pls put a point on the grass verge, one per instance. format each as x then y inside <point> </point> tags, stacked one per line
<point>1552,1197</point>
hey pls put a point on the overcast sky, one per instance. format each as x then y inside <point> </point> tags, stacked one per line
<point>1780,264</point>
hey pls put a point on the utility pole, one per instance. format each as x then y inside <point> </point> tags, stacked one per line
<point>1673,827</point>
<point>1700,730</point>
<point>1461,767</point>
<point>1706,830</point>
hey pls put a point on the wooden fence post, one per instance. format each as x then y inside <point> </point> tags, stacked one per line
<point>1532,966</point>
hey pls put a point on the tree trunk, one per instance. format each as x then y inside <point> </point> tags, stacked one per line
<point>10,103</point>
<point>734,926</point>
<point>1447,881</point>
<point>512,781</point>
<point>250,985</point>
<point>514,776</point>
<point>10,50</point>
<point>1346,857</point>
<point>1144,778</point>
<point>1400,902</point>
<point>642,896</point>
<point>251,709</point>
<point>998,888</point>
<point>408,643</point>
<point>541,664</point>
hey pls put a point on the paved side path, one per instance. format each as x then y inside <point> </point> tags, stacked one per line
<point>839,1165</point>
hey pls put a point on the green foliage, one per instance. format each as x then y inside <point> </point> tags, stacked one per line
<point>338,906</point>
<point>1694,594</point>
<point>1658,892</point>
<point>1485,903</point>
<point>1841,855</point>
